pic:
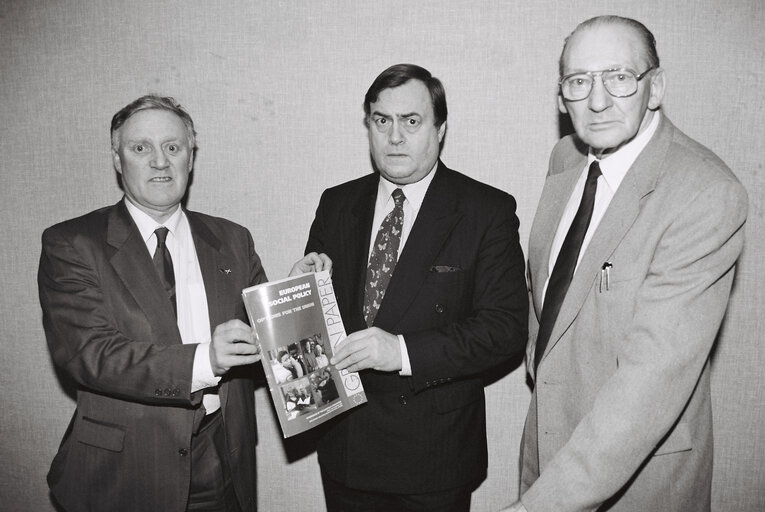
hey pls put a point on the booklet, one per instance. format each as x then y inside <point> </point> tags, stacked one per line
<point>298,325</point>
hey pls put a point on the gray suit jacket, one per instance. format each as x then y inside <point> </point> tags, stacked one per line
<point>620,417</point>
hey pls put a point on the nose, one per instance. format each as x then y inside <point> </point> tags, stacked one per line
<point>599,98</point>
<point>160,160</point>
<point>396,134</point>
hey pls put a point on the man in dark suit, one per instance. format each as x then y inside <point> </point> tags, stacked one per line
<point>627,316</point>
<point>455,305</point>
<point>142,309</point>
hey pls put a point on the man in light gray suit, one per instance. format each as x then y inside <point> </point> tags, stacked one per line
<point>631,261</point>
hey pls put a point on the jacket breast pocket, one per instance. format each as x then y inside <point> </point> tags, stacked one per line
<point>615,303</point>
<point>447,288</point>
<point>678,441</point>
<point>101,434</point>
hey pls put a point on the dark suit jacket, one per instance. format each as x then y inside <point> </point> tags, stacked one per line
<point>459,297</point>
<point>110,326</point>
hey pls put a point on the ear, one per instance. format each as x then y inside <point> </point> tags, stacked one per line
<point>116,161</point>
<point>658,84</point>
<point>562,105</point>
<point>441,132</point>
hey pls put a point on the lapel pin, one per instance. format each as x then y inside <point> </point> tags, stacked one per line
<point>226,271</point>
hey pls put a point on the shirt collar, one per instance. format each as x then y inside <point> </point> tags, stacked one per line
<point>147,225</point>
<point>615,166</point>
<point>414,192</point>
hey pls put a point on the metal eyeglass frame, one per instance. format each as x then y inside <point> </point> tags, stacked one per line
<point>593,74</point>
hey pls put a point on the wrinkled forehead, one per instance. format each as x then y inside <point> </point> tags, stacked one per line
<point>604,47</point>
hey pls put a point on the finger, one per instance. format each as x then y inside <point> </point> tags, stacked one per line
<point>356,336</point>
<point>235,334</point>
<point>311,262</point>
<point>305,264</point>
<point>344,351</point>
<point>225,353</point>
<point>326,263</point>
<point>358,359</point>
<point>243,348</point>
<point>241,360</point>
<point>234,323</point>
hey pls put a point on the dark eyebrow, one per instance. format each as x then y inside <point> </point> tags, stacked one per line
<point>409,114</point>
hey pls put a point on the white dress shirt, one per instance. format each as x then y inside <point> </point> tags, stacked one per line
<point>613,169</point>
<point>414,193</point>
<point>191,299</point>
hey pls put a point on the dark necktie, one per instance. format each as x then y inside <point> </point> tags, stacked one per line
<point>383,259</point>
<point>164,265</point>
<point>563,271</point>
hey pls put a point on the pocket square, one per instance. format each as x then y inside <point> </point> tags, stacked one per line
<point>445,268</point>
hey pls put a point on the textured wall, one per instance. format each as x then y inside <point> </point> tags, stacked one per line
<point>275,88</point>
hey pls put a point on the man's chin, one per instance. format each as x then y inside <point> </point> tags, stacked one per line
<point>397,174</point>
<point>603,145</point>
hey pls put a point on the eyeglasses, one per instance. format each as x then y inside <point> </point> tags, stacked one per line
<point>619,83</point>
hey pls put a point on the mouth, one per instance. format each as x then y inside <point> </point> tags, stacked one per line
<point>602,125</point>
<point>161,179</point>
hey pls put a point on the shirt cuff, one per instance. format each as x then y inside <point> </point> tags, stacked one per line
<point>202,375</point>
<point>406,366</point>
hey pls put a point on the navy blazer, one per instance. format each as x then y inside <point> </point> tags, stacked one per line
<point>458,295</point>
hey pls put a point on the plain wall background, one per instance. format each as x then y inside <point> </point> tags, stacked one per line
<point>275,89</point>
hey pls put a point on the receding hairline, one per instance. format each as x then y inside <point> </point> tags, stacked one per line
<point>645,38</point>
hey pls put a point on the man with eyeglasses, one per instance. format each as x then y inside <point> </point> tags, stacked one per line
<point>631,261</point>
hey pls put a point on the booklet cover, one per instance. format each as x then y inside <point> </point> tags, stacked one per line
<point>298,324</point>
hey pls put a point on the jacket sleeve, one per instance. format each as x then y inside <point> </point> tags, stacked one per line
<point>84,338</point>
<point>495,326</point>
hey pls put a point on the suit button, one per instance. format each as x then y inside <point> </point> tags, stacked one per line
<point>402,399</point>
<point>176,392</point>
<point>183,452</point>
<point>439,308</point>
<point>167,392</point>
<point>157,392</point>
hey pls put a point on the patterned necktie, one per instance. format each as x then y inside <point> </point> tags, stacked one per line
<point>383,259</point>
<point>164,265</point>
<point>563,271</point>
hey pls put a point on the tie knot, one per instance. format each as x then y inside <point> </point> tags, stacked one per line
<point>398,197</point>
<point>161,234</point>
<point>594,172</point>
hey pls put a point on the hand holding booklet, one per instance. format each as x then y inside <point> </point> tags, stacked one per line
<point>298,325</point>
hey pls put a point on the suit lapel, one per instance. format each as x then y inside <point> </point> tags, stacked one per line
<point>207,246</point>
<point>132,263</point>
<point>213,265</point>
<point>556,194</point>
<point>359,227</point>
<point>435,221</point>
<point>624,208</point>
